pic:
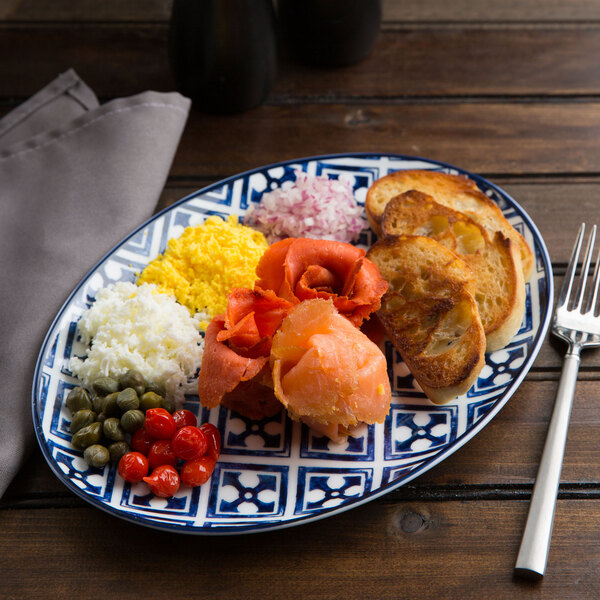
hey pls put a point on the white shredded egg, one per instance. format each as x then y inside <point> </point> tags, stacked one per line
<point>137,327</point>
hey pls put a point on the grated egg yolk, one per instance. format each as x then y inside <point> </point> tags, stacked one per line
<point>201,266</point>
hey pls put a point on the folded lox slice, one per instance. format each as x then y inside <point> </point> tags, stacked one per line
<point>235,369</point>
<point>326,372</point>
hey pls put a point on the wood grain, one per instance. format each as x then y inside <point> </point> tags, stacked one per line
<point>460,11</point>
<point>450,550</point>
<point>405,63</point>
<point>491,138</point>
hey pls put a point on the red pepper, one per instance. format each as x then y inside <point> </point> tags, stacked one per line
<point>164,481</point>
<point>189,442</point>
<point>161,453</point>
<point>141,441</point>
<point>213,438</point>
<point>133,467</point>
<point>198,471</point>
<point>184,417</point>
<point>160,424</point>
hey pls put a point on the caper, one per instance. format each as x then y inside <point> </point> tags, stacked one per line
<point>128,399</point>
<point>133,379</point>
<point>168,404</point>
<point>97,402</point>
<point>81,419</point>
<point>132,420</point>
<point>112,429</point>
<point>157,388</point>
<point>105,385</point>
<point>109,405</point>
<point>150,400</point>
<point>101,418</point>
<point>78,399</point>
<point>117,450</point>
<point>88,435</point>
<point>96,455</point>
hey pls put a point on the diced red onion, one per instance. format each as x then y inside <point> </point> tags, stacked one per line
<point>314,207</point>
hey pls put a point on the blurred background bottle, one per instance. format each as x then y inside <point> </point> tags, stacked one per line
<point>329,33</point>
<point>223,53</point>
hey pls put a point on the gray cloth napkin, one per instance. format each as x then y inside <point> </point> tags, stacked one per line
<point>75,178</point>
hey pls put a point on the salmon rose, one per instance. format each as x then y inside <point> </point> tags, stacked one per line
<point>298,269</point>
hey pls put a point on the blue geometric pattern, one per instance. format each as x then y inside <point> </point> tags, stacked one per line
<point>240,491</point>
<point>326,488</point>
<point>277,472</point>
<point>414,432</point>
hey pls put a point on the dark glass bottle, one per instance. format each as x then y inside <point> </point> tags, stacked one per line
<point>223,53</point>
<point>329,33</point>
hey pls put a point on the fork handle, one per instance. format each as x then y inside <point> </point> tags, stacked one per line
<point>533,554</point>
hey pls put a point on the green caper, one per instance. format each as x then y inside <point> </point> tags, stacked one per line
<point>109,405</point>
<point>96,455</point>
<point>112,429</point>
<point>150,400</point>
<point>81,419</point>
<point>128,399</point>
<point>168,404</point>
<point>157,388</point>
<point>101,418</point>
<point>88,435</point>
<point>133,379</point>
<point>97,402</point>
<point>117,450</point>
<point>132,420</point>
<point>105,385</point>
<point>78,399</point>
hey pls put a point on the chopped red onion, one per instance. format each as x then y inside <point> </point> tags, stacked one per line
<point>314,207</point>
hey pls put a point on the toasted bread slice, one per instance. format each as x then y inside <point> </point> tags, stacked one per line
<point>430,314</point>
<point>455,191</point>
<point>496,266</point>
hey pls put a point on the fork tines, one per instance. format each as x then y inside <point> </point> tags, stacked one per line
<point>576,301</point>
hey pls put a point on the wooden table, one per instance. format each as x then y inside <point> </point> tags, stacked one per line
<point>509,90</point>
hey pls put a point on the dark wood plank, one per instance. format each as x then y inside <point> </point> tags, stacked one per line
<point>407,62</point>
<point>464,11</point>
<point>492,137</point>
<point>85,10</point>
<point>137,56</point>
<point>404,11</point>
<point>421,550</point>
<point>410,62</point>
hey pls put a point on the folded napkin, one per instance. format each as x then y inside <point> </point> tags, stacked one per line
<point>75,178</point>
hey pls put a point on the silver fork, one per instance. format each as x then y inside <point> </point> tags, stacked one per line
<point>575,322</point>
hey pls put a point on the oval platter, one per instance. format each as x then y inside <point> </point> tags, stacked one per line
<point>276,473</point>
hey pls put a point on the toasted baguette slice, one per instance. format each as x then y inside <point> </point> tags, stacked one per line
<point>455,191</point>
<point>430,315</point>
<point>496,265</point>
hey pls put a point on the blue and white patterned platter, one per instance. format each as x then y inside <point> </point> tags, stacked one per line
<point>276,473</point>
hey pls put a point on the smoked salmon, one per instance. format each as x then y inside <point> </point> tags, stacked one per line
<point>299,269</point>
<point>235,368</point>
<point>252,318</point>
<point>326,372</point>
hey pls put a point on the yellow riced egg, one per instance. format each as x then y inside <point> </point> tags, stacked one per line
<point>201,266</point>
